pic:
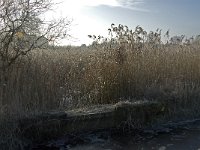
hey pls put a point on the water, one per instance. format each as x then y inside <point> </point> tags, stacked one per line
<point>171,136</point>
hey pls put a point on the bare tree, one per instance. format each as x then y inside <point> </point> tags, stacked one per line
<point>22,30</point>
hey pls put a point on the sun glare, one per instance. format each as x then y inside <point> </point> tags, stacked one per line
<point>83,24</point>
<point>75,6</point>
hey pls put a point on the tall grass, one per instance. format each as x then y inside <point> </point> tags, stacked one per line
<point>69,77</point>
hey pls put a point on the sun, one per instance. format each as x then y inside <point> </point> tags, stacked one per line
<point>83,24</point>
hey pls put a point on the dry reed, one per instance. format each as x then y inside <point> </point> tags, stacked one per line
<point>69,77</point>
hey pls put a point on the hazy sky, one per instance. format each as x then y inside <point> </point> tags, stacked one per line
<point>95,16</point>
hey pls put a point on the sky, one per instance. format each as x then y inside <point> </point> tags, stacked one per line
<point>181,17</point>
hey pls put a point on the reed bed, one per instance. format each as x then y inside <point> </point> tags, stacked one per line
<point>60,78</point>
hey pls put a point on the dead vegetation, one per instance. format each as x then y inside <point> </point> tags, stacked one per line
<point>128,65</point>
